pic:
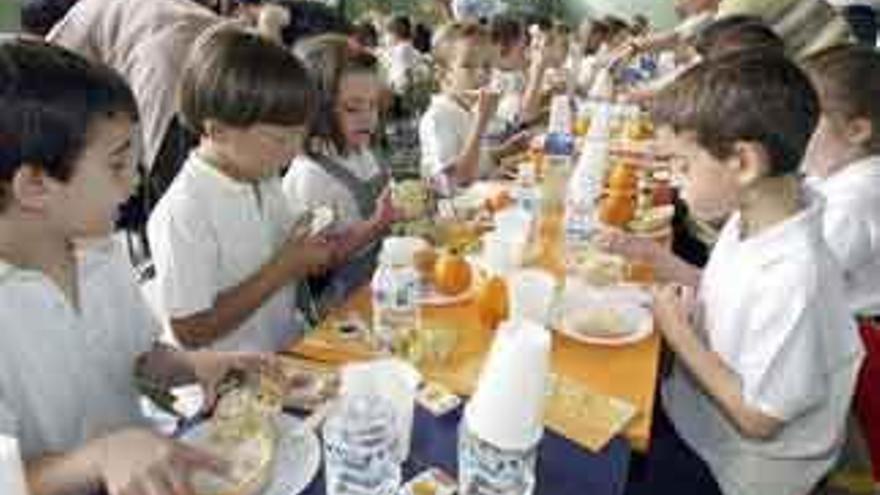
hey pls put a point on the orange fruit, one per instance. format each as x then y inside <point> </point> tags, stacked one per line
<point>622,177</point>
<point>452,274</point>
<point>492,302</point>
<point>499,200</point>
<point>617,209</point>
<point>425,260</point>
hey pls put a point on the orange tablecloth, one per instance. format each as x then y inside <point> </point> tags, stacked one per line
<point>628,372</point>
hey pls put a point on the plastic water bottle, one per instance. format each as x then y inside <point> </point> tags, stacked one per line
<point>558,152</point>
<point>361,448</point>
<point>585,185</point>
<point>526,194</point>
<point>396,290</point>
<point>484,469</point>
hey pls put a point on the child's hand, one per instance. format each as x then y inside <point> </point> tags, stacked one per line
<point>673,307</point>
<point>137,461</point>
<point>303,256</point>
<point>386,213</point>
<point>210,368</point>
<point>627,245</point>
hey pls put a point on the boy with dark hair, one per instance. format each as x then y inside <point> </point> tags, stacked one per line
<point>767,354</point>
<point>739,32</point>
<point>75,327</point>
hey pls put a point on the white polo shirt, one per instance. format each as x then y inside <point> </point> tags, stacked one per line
<point>772,307</point>
<point>852,230</point>
<point>66,376</point>
<point>209,233</point>
<point>307,185</point>
<point>443,133</point>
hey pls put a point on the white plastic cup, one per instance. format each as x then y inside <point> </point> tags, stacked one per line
<point>11,468</point>
<point>532,294</point>
<point>394,380</point>
<point>502,253</point>
<point>507,409</point>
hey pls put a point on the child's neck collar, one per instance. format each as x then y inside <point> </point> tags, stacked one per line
<point>29,245</point>
<point>770,201</point>
<point>215,157</point>
<point>461,100</point>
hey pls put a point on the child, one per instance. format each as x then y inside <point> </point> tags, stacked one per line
<point>75,327</point>
<point>519,82</point>
<point>451,129</point>
<point>400,58</point>
<point>227,250</point>
<point>766,364</point>
<point>845,156</point>
<point>338,169</point>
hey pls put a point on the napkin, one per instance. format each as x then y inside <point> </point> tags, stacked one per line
<point>11,470</point>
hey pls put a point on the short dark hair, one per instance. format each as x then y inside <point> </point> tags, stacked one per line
<point>241,79</point>
<point>49,97</point>
<point>328,58</point>
<point>39,16</point>
<point>734,33</point>
<point>506,31</point>
<point>757,96</point>
<point>847,79</point>
<point>400,26</point>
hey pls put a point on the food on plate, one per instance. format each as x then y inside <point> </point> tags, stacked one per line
<point>599,268</point>
<point>410,197</point>
<point>420,227</point>
<point>243,434</point>
<point>597,322</point>
<point>452,274</point>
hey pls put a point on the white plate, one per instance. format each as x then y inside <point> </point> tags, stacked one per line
<point>632,302</point>
<point>297,458</point>
<point>644,330</point>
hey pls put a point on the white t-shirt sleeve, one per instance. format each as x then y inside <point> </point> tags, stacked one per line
<point>848,237</point>
<point>781,367</point>
<point>306,187</point>
<point>441,142</point>
<point>186,257</point>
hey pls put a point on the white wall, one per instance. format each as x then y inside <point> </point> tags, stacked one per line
<point>660,12</point>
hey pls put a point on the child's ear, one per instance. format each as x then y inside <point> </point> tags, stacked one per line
<point>750,160</point>
<point>30,188</point>
<point>859,131</point>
